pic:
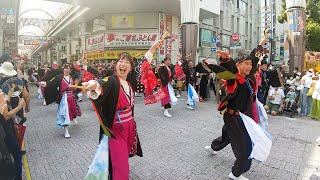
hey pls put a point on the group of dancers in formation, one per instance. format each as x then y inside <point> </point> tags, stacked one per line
<point>113,101</point>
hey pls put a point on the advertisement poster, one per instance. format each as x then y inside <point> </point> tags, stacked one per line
<point>122,22</point>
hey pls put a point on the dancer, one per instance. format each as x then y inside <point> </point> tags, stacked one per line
<point>165,75</point>
<point>190,78</point>
<point>68,108</point>
<point>43,75</point>
<point>264,86</point>
<point>204,72</point>
<point>113,100</point>
<point>238,99</point>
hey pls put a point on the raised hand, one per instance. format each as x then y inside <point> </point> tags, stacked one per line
<point>91,85</point>
<point>223,54</point>
<point>43,84</point>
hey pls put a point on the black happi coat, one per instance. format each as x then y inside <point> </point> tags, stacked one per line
<point>188,72</point>
<point>51,73</point>
<point>106,105</point>
<point>52,90</point>
<point>164,75</point>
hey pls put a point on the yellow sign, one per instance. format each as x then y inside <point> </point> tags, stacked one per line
<point>114,54</point>
<point>312,60</point>
<point>122,21</point>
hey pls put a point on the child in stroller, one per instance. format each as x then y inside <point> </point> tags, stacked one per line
<point>291,101</point>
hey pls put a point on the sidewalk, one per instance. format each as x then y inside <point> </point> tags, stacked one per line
<point>173,148</point>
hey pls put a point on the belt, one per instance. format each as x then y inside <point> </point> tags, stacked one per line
<point>232,112</point>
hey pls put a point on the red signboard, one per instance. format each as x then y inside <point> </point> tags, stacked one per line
<point>95,41</point>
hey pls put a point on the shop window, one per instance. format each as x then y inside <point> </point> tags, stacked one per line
<point>281,51</point>
<point>206,37</point>
<point>243,6</point>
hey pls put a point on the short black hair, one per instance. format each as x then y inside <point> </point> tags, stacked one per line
<point>166,58</point>
<point>242,55</point>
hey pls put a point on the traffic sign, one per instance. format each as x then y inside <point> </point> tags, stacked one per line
<point>214,40</point>
<point>213,49</point>
<point>218,36</point>
<point>235,37</point>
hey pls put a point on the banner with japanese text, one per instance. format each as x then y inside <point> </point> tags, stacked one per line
<point>114,54</point>
<point>119,39</point>
<point>95,42</point>
<point>169,29</point>
<point>162,25</point>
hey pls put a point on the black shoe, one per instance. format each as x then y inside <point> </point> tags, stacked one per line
<point>23,120</point>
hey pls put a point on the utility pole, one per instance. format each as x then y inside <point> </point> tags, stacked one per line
<point>273,29</point>
<point>267,22</point>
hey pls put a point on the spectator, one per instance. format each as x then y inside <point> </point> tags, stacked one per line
<point>306,101</point>
<point>290,96</point>
<point>276,96</point>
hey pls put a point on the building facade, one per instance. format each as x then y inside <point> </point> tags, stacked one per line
<point>241,18</point>
<point>224,24</point>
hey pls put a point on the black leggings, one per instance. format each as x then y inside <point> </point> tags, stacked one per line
<point>167,106</point>
<point>235,133</point>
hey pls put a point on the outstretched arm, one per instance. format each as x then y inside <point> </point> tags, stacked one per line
<point>148,56</point>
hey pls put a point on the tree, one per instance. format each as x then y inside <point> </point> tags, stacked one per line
<point>312,26</point>
<point>313,36</point>
<point>283,16</point>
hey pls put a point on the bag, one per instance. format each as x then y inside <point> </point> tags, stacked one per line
<point>263,116</point>
<point>40,95</point>
<point>20,131</point>
<point>99,168</point>
<point>261,139</point>
<point>192,96</point>
<point>173,98</point>
<point>310,92</point>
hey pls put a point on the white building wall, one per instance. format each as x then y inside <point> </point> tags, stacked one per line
<point>245,20</point>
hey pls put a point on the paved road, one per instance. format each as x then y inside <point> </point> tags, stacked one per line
<point>173,147</point>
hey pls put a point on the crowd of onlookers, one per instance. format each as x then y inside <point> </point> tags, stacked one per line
<point>12,118</point>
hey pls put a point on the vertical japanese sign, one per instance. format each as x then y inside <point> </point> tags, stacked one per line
<point>168,41</point>
<point>162,23</point>
<point>175,38</point>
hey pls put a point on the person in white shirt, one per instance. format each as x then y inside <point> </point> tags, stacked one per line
<point>276,96</point>
<point>306,101</point>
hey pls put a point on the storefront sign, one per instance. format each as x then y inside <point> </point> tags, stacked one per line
<point>162,23</point>
<point>169,29</point>
<point>10,19</point>
<point>235,45</point>
<point>114,54</point>
<point>95,41</point>
<point>35,41</point>
<point>114,39</point>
